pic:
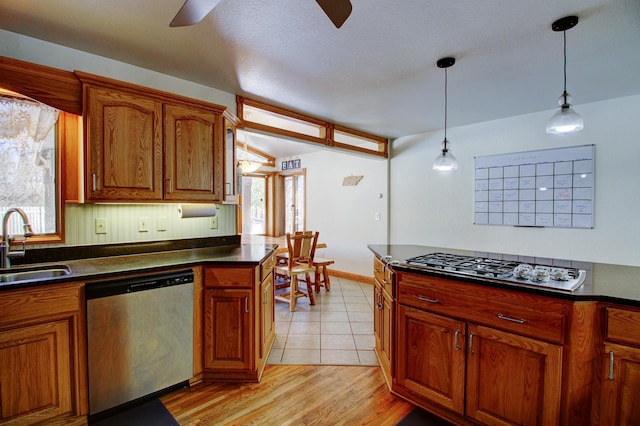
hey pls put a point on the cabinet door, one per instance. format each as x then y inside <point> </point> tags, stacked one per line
<point>123,146</point>
<point>431,357</point>
<point>267,316</point>
<point>382,329</point>
<point>232,179</point>
<point>228,329</point>
<point>193,163</point>
<point>512,380</point>
<point>620,405</point>
<point>36,371</point>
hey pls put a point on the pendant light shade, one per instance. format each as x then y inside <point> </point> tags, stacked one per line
<point>445,161</point>
<point>566,120</point>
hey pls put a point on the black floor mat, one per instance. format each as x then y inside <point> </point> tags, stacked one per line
<point>151,413</point>
<point>420,417</point>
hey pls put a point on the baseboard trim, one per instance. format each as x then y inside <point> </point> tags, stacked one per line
<point>350,276</point>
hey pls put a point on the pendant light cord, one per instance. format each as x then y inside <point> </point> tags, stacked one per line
<point>445,108</point>
<point>564,93</point>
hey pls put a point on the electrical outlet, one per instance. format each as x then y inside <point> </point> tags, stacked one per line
<point>143,224</point>
<point>213,222</point>
<point>162,223</point>
<point>101,225</point>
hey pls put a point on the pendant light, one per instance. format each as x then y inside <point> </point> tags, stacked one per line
<point>566,120</point>
<point>445,161</point>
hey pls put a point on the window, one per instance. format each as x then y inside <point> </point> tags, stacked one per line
<point>273,120</point>
<point>30,167</point>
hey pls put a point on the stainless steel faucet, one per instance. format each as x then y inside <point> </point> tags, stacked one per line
<point>6,239</point>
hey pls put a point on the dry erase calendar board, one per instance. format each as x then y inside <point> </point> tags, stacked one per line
<point>551,187</point>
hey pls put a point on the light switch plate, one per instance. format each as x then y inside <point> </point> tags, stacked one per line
<point>213,222</point>
<point>143,224</point>
<point>101,225</point>
<point>162,223</point>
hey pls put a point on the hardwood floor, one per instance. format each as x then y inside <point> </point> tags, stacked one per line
<point>292,395</point>
<point>287,395</point>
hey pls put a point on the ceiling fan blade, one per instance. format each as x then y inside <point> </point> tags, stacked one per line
<point>192,12</point>
<point>337,10</point>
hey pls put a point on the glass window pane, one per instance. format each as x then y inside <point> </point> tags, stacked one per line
<point>28,180</point>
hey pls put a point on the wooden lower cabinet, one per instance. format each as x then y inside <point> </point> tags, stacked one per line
<point>239,322</point>
<point>431,357</point>
<point>42,364</point>
<point>620,403</point>
<point>228,328</point>
<point>383,320</point>
<point>492,376</point>
<point>267,317</point>
<point>620,368</point>
<point>512,379</point>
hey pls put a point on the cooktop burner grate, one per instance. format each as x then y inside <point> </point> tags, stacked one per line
<point>495,268</point>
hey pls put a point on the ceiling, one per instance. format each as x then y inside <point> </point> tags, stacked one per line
<point>378,72</point>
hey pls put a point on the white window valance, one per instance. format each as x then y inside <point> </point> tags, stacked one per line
<point>23,118</point>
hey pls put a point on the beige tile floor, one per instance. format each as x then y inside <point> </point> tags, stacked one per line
<point>337,330</point>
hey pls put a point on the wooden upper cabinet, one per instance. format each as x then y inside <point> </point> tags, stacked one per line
<point>193,165</point>
<point>123,147</point>
<point>143,145</point>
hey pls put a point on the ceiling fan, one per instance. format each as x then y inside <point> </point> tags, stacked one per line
<point>194,11</point>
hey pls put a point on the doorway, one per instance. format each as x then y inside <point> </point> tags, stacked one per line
<point>254,206</point>
<point>295,202</point>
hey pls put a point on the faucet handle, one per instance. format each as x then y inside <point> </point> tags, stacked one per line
<point>16,245</point>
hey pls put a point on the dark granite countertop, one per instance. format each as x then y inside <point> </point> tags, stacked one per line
<point>109,262</point>
<point>604,282</point>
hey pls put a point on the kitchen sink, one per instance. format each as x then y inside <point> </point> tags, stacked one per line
<point>39,273</point>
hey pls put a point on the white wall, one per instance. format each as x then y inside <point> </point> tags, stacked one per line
<point>345,216</point>
<point>436,208</point>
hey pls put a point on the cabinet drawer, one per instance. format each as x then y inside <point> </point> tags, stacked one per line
<point>228,277</point>
<point>622,325</point>
<point>383,275</point>
<point>23,305</point>
<point>267,266</point>
<point>521,313</point>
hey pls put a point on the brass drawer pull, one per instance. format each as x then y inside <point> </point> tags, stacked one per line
<point>426,299</point>
<point>506,318</point>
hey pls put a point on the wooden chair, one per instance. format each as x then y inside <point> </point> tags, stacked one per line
<point>301,248</point>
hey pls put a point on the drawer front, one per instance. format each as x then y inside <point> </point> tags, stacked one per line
<point>622,325</point>
<point>384,275</point>
<point>267,266</point>
<point>528,316</point>
<point>23,305</point>
<point>228,277</point>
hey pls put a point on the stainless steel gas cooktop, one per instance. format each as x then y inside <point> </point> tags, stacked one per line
<point>557,278</point>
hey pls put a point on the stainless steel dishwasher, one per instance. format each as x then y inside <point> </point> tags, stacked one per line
<point>139,339</point>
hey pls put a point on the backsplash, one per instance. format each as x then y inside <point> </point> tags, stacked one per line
<point>122,223</point>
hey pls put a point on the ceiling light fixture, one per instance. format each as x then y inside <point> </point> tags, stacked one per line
<point>445,161</point>
<point>566,120</point>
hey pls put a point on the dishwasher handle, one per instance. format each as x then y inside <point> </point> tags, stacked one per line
<point>96,290</point>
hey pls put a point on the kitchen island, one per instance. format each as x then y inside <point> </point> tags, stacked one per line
<point>43,329</point>
<point>477,349</point>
